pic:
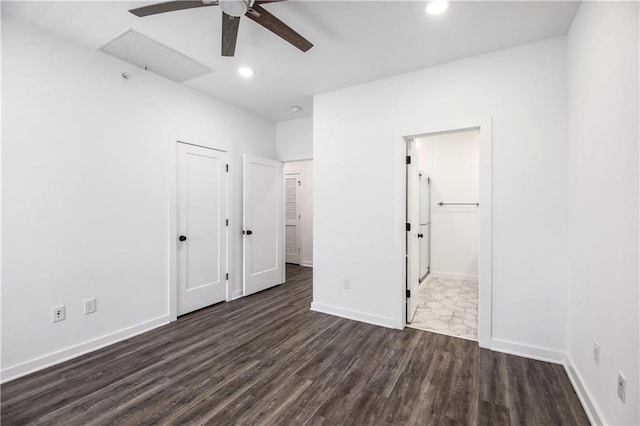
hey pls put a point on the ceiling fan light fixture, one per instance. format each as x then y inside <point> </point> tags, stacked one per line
<point>232,10</point>
<point>436,7</point>
<point>296,108</point>
<point>245,72</point>
<point>235,8</point>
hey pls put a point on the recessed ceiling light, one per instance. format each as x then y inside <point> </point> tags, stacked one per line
<point>436,7</point>
<point>245,72</point>
<point>296,108</point>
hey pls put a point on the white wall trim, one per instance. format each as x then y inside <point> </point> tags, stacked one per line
<point>57,357</point>
<point>172,189</point>
<point>306,158</point>
<point>353,315</point>
<point>588,402</point>
<point>556,357</point>
<point>451,275</point>
<point>529,351</point>
<point>307,264</point>
<point>425,282</point>
<point>485,264</point>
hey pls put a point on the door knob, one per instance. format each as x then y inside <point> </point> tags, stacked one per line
<point>249,232</point>
<point>182,238</point>
<point>420,236</point>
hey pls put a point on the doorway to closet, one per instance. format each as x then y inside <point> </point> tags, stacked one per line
<point>298,190</point>
<point>443,232</point>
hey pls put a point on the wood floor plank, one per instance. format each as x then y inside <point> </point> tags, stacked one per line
<point>491,414</point>
<point>267,359</point>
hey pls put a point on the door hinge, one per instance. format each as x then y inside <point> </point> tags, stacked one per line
<point>227,276</point>
<point>227,167</point>
<point>408,227</point>
<point>408,159</point>
<point>298,183</point>
<point>227,221</point>
<point>408,293</point>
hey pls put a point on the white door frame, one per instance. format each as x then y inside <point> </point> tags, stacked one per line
<point>303,193</point>
<point>412,190</point>
<point>173,224</point>
<point>485,264</point>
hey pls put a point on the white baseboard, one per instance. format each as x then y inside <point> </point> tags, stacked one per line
<point>557,357</point>
<point>40,363</point>
<point>307,264</point>
<point>236,295</point>
<point>450,275</point>
<point>528,351</point>
<point>352,315</point>
<point>588,403</point>
<point>425,282</point>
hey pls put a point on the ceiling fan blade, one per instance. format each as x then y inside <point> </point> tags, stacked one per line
<point>258,14</point>
<point>267,1</point>
<point>169,6</point>
<point>229,34</point>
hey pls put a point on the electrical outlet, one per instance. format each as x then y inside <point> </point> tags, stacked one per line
<point>346,284</point>
<point>58,313</point>
<point>89,305</point>
<point>596,352</point>
<point>622,387</point>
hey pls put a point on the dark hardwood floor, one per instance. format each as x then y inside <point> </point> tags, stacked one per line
<point>267,359</point>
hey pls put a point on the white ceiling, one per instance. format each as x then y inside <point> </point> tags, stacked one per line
<point>354,41</point>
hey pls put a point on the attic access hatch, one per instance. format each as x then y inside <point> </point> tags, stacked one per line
<point>150,54</point>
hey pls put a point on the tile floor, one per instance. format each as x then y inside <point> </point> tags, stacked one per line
<point>448,306</point>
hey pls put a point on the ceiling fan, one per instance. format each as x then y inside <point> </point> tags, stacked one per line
<point>232,10</point>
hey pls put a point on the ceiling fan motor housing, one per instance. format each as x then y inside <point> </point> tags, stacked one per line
<point>235,7</point>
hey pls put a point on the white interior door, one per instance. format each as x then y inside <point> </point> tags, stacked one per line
<point>292,218</point>
<point>202,232</point>
<point>263,224</point>
<point>413,219</point>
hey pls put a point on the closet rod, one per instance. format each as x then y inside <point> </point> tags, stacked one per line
<point>458,204</point>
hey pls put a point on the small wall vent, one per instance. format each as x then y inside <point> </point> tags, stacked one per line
<point>150,54</point>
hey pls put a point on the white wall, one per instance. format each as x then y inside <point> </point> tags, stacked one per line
<point>355,129</point>
<point>85,192</point>
<point>603,204</point>
<point>294,139</point>
<point>451,160</point>
<point>305,169</point>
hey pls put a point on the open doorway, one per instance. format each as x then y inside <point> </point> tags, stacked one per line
<point>298,189</point>
<point>443,232</point>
